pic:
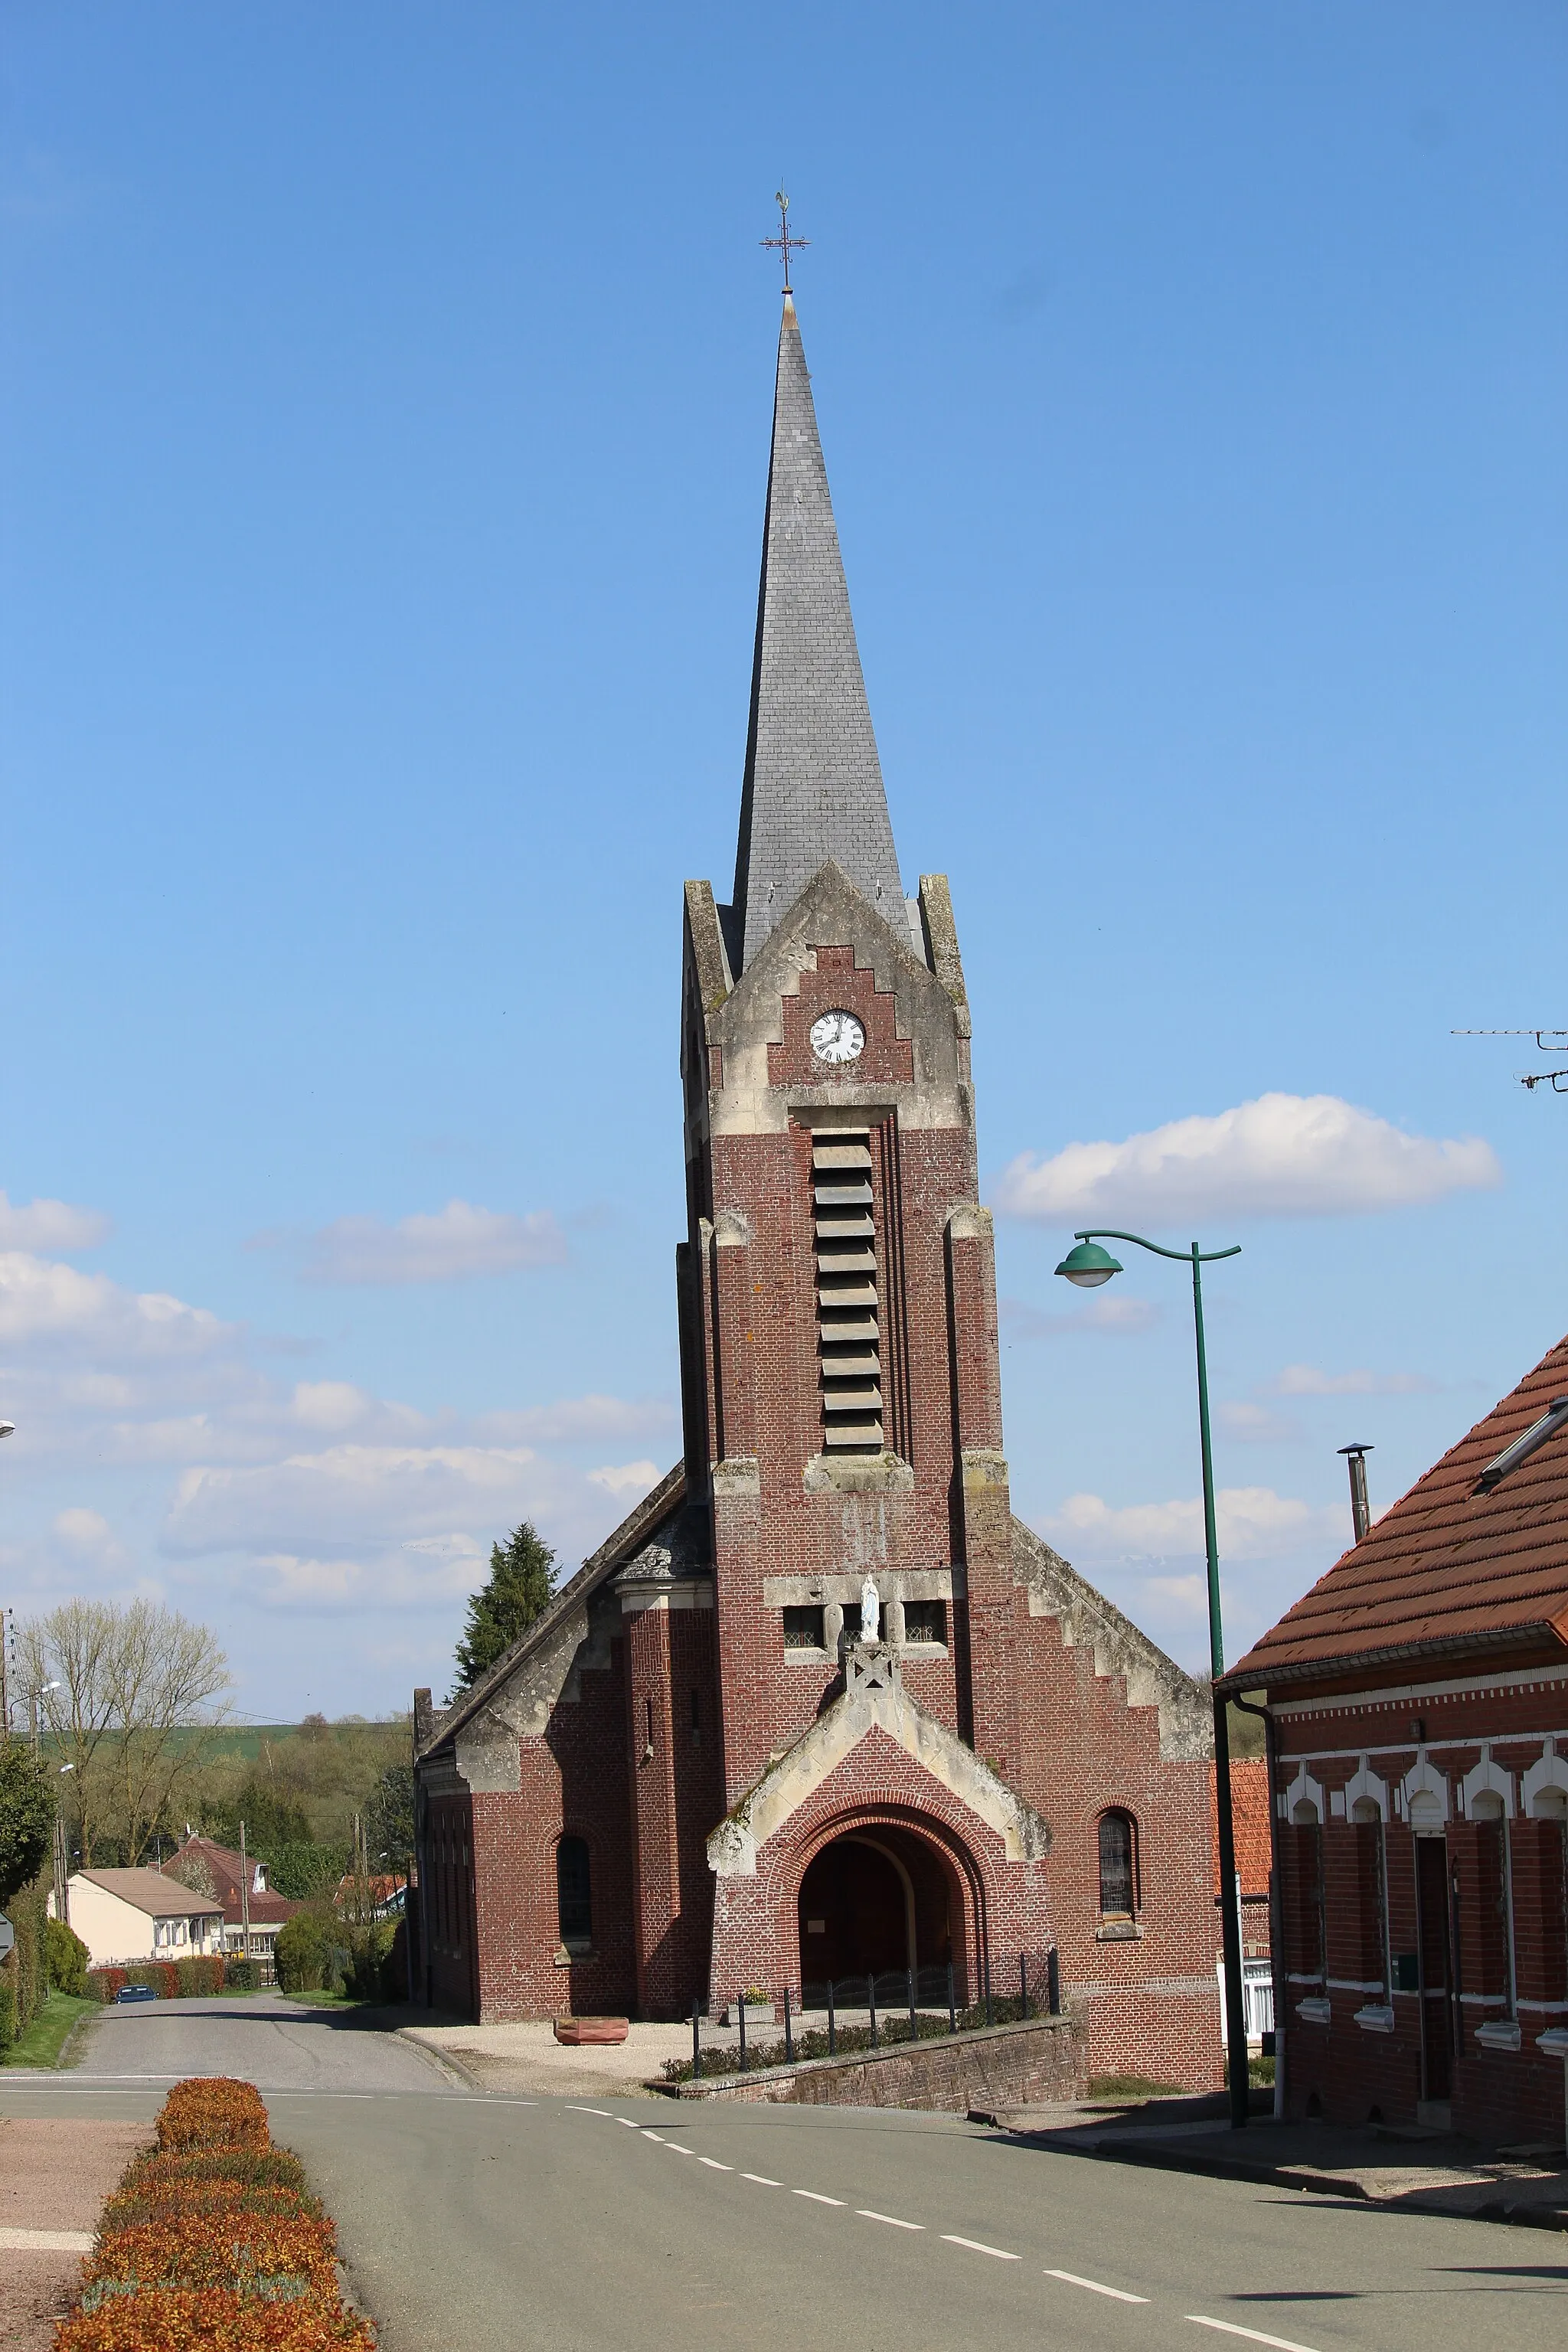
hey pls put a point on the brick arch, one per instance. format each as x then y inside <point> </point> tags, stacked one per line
<point>967,1911</point>
<point>1004,1907</point>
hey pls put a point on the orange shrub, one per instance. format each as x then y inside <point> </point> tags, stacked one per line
<point>218,2250</point>
<point>175,2319</point>
<point>212,2243</point>
<point>209,2111</point>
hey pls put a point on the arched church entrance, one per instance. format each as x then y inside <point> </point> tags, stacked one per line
<point>877,1902</point>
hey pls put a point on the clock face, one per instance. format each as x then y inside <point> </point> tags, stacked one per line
<point>836,1037</point>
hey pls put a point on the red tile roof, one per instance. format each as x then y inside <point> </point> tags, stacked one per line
<point>203,1858</point>
<point>1448,1569</point>
<point>1249,1822</point>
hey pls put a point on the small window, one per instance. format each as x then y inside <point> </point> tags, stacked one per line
<point>925,1622</point>
<point>1118,1867</point>
<point>804,1630</point>
<point>697,1715</point>
<point>574,1898</point>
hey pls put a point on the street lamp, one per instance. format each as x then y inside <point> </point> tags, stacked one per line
<point>1088,1265</point>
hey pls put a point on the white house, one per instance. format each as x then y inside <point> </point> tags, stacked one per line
<point>139,1914</point>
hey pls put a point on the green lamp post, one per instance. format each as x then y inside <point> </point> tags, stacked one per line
<point>1089,1266</point>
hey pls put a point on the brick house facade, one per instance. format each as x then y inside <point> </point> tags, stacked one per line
<point>1418,1697</point>
<point>822,1705</point>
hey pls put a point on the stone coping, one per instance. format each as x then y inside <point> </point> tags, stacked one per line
<point>722,2086</point>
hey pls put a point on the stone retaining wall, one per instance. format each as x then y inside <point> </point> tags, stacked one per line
<point>999,2065</point>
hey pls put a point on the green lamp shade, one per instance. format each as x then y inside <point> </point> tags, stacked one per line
<point>1088,1265</point>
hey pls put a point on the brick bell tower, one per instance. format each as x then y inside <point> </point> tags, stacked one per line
<point>841,1389</point>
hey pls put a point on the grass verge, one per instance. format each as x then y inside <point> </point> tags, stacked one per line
<point>45,2037</point>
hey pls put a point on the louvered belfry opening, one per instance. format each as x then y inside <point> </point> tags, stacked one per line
<point>848,1329</point>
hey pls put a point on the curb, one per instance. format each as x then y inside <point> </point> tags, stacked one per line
<point>1297,2178</point>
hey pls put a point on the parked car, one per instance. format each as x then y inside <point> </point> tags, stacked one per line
<point>133,1992</point>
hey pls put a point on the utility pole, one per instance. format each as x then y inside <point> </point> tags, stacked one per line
<point>5,1617</point>
<point>243,1895</point>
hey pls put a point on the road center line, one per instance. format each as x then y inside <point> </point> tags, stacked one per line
<point>817,2197</point>
<point>604,2112</point>
<point>1253,2335</point>
<point>630,2122</point>
<point>675,2149</point>
<point>892,2220</point>
<point>974,2246</point>
<point>761,2180</point>
<point>713,2163</point>
<point>655,2135</point>
<point>1118,2294</point>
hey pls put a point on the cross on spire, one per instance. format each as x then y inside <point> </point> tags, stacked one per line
<point>784,243</point>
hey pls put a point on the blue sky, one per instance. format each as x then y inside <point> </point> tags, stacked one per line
<point>385,408</point>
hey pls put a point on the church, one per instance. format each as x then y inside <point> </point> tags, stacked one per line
<point>822,1707</point>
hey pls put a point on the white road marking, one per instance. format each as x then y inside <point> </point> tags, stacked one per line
<point>630,2122</point>
<point>713,2163</point>
<point>46,2241</point>
<point>761,2180</point>
<point>817,2197</point>
<point>675,2148</point>
<point>976,2248</point>
<point>892,2220</point>
<point>609,2117</point>
<point>652,2135</point>
<point>1119,2295</point>
<point>1253,2335</point>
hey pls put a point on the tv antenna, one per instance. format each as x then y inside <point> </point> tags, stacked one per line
<point>1556,1078</point>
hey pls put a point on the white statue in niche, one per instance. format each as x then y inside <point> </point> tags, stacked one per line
<point>870,1612</point>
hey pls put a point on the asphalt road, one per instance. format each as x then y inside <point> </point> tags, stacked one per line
<point>492,2221</point>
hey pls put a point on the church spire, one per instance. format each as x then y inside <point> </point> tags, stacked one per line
<point>813,783</point>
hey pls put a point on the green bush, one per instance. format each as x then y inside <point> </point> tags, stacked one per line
<point>369,1965</point>
<point>8,2008</point>
<point>27,1818</point>
<point>66,1958</point>
<point>241,1975</point>
<point>24,1971</point>
<point>200,1973</point>
<point>304,1944</point>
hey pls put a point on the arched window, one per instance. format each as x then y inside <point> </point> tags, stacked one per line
<point>1118,1865</point>
<point>574,1898</point>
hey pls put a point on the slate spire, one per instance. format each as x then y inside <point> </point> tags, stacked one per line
<point>813,783</point>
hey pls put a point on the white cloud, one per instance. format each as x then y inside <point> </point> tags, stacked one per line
<point>58,1308</point>
<point>628,1481</point>
<point>458,1241</point>
<point>577,1420</point>
<point>49,1226</point>
<point>1253,1425</point>
<point>1280,1156</point>
<point>1253,1523</point>
<point>1306,1381</point>
<point>1118,1316</point>
<point>349,1494</point>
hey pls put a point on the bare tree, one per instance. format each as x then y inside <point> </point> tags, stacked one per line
<point>138,1695</point>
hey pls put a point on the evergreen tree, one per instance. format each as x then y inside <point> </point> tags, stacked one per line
<point>521,1579</point>
<point>26,1818</point>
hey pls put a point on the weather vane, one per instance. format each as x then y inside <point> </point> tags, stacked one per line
<point>784,243</point>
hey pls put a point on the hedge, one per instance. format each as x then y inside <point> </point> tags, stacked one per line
<point>200,1972</point>
<point>24,1973</point>
<point>212,2243</point>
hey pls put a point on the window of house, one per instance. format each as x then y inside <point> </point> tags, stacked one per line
<point>1118,1867</point>
<point>804,1630</point>
<point>925,1621</point>
<point>573,1896</point>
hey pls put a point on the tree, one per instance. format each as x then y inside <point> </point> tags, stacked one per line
<point>27,1818</point>
<point>521,1580</point>
<point>389,1817</point>
<point>133,1705</point>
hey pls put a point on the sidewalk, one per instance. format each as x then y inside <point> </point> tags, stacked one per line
<point>1411,2171</point>
<point>527,2058</point>
<point>54,2177</point>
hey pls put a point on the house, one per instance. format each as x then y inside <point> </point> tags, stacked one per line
<point>1418,1696</point>
<point>217,1871</point>
<point>822,1709</point>
<point>139,1914</point>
